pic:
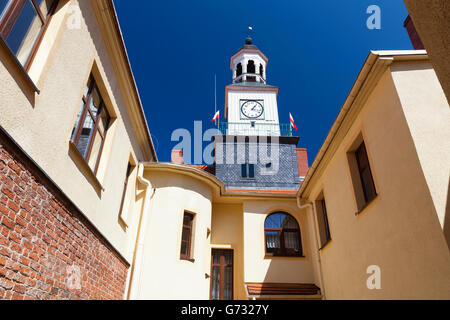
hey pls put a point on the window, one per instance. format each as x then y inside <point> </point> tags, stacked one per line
<point>124,193</point>
<point>22,25</point>
<point>322,219</point>
<point>365,174</point>
<point>186,237</point>
<point>239,70</point>
<point>361,174</point>
<point>283,237</point>
<point>92,123</point>
<point>251,68</point>
<point>248,171</point>
<point>261,70</point>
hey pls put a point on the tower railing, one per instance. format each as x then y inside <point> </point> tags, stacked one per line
<point>244,76</point>
<point>256,129</point>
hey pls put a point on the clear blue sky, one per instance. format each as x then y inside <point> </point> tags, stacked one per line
<point>316,50</point>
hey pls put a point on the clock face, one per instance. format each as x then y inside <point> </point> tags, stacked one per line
<point>252,109</point>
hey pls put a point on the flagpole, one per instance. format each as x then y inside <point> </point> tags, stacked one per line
<point>215,96</point>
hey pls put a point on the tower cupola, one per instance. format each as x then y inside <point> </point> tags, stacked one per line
<point>249,64</point>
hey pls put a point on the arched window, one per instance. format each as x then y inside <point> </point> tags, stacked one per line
<point>261,70</point>
<point>283,237</point>
<point>251,68</point>
<point>239,70</point>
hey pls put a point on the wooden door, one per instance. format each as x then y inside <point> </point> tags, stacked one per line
<point>222,274</point>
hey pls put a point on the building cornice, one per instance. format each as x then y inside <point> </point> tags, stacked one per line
<point>106,15</point>
<point>374,67</point>
<point>251,50</point>
<point>220,192</point>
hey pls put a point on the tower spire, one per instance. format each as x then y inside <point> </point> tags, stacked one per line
<point>249,40</point>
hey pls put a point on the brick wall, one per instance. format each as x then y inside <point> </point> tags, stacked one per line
<point>303,165</point>
<point>48,250</point>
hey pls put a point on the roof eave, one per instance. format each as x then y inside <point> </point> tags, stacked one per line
<point>106,14</point>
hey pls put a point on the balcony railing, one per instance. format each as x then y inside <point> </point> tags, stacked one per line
<point>255,129</point>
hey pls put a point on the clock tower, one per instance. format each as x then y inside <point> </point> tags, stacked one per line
<point>255,151</point>
<point>251,104</point>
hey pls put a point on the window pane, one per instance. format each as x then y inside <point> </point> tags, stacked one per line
<point>74,131</point>
<point>273,240</point>
<point>289,223</point>
<point>86,91</point>
<point>216,257</point>
<point>103,121</point>
<point>361,155</point>
<point>322,219</point>
<point>97,99</point>
<point>4,4</point>
<point>85,136</point>
<point>244,171</point>
<point>95,152</point>
<point>188,219</point>
<point>45,6</point>
<point>251,171</point>
<point>215,283</point>
<point>368,185</point>
<point>25,32</point>
<point>229,257</point>
<point>291,240</point>
<point>186,236</point>
<point>228,292</point>
<point>274,221</point>
<point>184,248</point>
<point>93,107</point>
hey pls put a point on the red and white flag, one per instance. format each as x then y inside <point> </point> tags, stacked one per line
<point>292,122</point>
<point>216,116</point>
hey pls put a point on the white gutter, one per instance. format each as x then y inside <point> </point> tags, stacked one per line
<point>309,206</point>
<point>139,252</point>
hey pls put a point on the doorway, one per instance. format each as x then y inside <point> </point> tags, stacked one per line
<point>222,274</point>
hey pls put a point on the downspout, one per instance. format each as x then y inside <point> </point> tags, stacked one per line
<point>309,206</point>
<point>139,252</point>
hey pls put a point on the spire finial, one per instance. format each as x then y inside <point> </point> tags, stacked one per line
<point>249,40</point>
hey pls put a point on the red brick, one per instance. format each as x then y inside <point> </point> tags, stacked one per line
<point>14,237</point>
<point>5,252</point>
<point>8,192</point>
<point>6,284</point>
<point>13,206</point>
<point>4,210</point>
<point>28,245</point>
<point>19,288</point>
<point>17,296</point>
<point>33,256</point>
<point>3,240</point>
<point>8,223</point>
<point>14,167</point>
<point>24,261</point>
<point>21,222</point>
